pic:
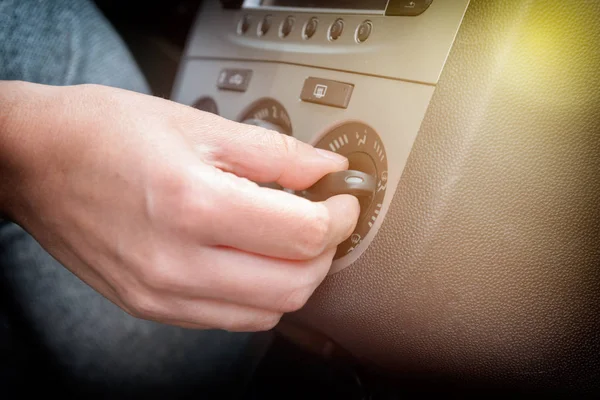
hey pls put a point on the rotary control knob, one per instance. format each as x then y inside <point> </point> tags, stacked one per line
<point>366,153</point>
<point>269,114</point>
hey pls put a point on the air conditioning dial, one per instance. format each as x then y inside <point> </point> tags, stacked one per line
<point>365,151</point>
<point>269,114</point>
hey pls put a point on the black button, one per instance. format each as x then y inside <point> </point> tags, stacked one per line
<point>286,27</point>
<point>264,26</point>
<point>234,79</point>
<point>364,31</point>
<point>310,28</point>
<point>336,29</point>
<point>327,92</point>
<point>243,25</point>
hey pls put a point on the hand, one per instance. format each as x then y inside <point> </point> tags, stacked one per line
<point>154,204</point>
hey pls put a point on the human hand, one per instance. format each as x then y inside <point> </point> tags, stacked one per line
<point>153,204</point>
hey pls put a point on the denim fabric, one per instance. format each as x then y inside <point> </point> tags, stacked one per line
<point>65,42</point>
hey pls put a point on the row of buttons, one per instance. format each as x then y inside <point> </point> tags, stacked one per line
<point>336,29</point>
<point>316,90</point>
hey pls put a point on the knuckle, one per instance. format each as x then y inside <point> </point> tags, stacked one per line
<point>140,304</point>
<point>315,234</point>
<point>156,277</point>
<point>295,299</point>
<point>309,278</point>
<point>266,323</point>
<point>253,323</point>
<point>287,144</point>
<point>181,206</point>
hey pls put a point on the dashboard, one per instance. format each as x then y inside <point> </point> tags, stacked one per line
<point>475,263</point>
<point>341,77</point>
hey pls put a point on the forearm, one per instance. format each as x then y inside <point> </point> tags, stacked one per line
<point>15,142</point>
<point>7,105</point>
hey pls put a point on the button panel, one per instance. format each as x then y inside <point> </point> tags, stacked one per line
<point>234,79</point>
<point>327,92</point>
<point>310,28</point>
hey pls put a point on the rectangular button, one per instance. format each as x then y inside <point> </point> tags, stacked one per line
<point>326,92</point>
<point>234,79</point>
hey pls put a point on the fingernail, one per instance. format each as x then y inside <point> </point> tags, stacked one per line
<point>338,158</point>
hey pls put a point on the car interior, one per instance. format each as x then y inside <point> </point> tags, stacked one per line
<point>475,266</point>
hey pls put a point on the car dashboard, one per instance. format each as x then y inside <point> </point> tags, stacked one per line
<point>474,266</point>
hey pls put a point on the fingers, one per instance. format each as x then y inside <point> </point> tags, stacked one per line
<point>199,313</point>
<point>262,155</point>
<point>271,222</point>
<point>242,278</point>
<point>234,291</point>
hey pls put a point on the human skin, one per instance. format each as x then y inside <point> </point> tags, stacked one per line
<point>154,204</point>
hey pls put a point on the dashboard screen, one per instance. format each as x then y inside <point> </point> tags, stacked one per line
<point>334,4</point>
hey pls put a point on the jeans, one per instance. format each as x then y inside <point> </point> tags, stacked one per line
<point>96,344</point>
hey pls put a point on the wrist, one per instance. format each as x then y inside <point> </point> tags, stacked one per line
<point>15,138</point>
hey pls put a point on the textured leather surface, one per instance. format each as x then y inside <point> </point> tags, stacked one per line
<point>487,267</point>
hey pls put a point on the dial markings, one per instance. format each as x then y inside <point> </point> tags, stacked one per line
<point>362,141</point>
<point>364,150</point>
<point>338,143</point>
<point>263,113</point>
<point>379,150</point>
<point>376,213</point>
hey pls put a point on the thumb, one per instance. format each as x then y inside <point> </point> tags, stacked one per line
<point>266,156</point>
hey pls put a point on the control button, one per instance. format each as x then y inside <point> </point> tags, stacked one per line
<point>264,26</point>
<point>234,79</point>
<point>364,31</point>
<point>244,25</point>
<point>206,104</point>
<point>355,183</point>
<point>327,92</point>
<point>286,27</point>
<point>336,29</point>
<point>409,8</point>
<point>310,28</point>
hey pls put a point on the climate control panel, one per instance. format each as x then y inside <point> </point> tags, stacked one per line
<point>372,121</point>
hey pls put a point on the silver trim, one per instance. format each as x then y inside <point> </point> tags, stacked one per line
<point>255,5</point>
